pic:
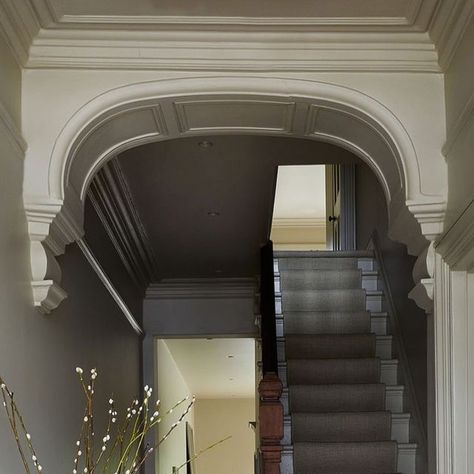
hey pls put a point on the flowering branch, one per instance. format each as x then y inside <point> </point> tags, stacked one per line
<point>126,436</point>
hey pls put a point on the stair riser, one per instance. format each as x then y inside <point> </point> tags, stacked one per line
<point>369,282</point>
<point>378,325</point>
<point>373,303</point>
<point>406,459</point>
<point>388,372</point>
<point>400,431</point>
<point>383,349</point>
<point>364,264</point>
<point>393,400</point>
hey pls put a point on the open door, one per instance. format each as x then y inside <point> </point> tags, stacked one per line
<point>340,207</point>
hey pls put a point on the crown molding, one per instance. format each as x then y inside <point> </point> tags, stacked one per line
<point>447,28</point>
<point>112,200</point>
<point>463,120</point>
<point>234,50</point>
<point>9,128</point>
<point>194,21</point>
<point>284,222</point>
<point>456,245</point>
<point>206,288</point>
<point>94,263</point>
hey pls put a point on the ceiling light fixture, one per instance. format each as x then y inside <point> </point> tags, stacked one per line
<point>206,144</point>
<point>230,356</point>
<point>213,214</point>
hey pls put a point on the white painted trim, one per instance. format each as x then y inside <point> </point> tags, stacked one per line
<point>94,263</point>
<point>113,202</point>
<point>65,220</point>
<point>449,23</point>
<point>456,245</point>
<point>443,345</point>
<point>12,131</point>
<point>140,21</point>
<point>234,50</point>
<point>208,288</point>
<point>284,222</point>
<point>465,118</point>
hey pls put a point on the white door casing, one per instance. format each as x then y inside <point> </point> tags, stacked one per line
<point>140,113</point>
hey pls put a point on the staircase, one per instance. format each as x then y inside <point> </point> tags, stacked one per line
<point>343,407</point>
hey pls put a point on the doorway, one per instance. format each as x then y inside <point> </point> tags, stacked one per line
<point>299,210</point>
<point>314,208</point>
<point>220,373</point>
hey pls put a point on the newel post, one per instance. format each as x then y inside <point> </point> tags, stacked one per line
<point>270,422</point>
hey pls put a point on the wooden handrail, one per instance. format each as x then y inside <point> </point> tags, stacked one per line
<point>267,310</point>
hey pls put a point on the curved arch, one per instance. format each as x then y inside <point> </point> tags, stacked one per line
<point>140,113</point>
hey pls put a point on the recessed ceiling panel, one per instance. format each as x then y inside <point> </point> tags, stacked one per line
<point>216,368</point>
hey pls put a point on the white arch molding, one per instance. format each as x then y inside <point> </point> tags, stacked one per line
<point>141,113</point>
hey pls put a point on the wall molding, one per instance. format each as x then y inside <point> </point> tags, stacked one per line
<point>110,287</point>
<point>284,222</point>
<point>10,129</point>
<point>19,24</point>
<point>464,119</point>
<point>113,202</point>
<point>206,288</point>
<point>234,50</point>
<point>448,25</point>
<point>456,245</point>
<point>196,21</point>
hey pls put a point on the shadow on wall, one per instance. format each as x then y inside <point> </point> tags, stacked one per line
<point>372,216</point>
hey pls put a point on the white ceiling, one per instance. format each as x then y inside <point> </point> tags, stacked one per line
<point>175,184</point>
<point>300,192</point>
<point>209,371</point>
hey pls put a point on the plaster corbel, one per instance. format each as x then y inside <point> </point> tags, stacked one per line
<point>423,276</point>
<point>51,226</point>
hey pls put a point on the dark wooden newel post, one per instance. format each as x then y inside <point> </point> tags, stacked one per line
<point>270,387</point>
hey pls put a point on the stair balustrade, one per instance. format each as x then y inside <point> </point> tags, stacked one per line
<point>270,387</point>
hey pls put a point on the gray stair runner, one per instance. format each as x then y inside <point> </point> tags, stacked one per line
<point>337,404</point>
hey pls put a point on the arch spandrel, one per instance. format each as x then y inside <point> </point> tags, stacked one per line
<point>129,116</point>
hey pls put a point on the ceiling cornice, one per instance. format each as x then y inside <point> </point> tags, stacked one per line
<point>234,50</point>
<point>42,37</point>
<point>113,203</point>
<point>304,222</point>
<point>447,28</point>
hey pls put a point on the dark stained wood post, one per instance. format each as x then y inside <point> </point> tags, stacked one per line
<point>270,422</point>
<point>270,387</point>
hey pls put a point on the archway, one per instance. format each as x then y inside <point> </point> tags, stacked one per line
<point>128,116</point>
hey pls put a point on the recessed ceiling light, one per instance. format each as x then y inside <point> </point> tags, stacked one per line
<point>231,378</point>
<point>206,144</point>
<point>230,356</point>
<point>213,214</point>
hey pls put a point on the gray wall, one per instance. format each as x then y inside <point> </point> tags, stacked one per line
<point>372,215</point>
<point>38,354</point>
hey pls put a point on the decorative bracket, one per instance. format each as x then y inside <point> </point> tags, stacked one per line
<point>51,226</point>
<point>423,276</point>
